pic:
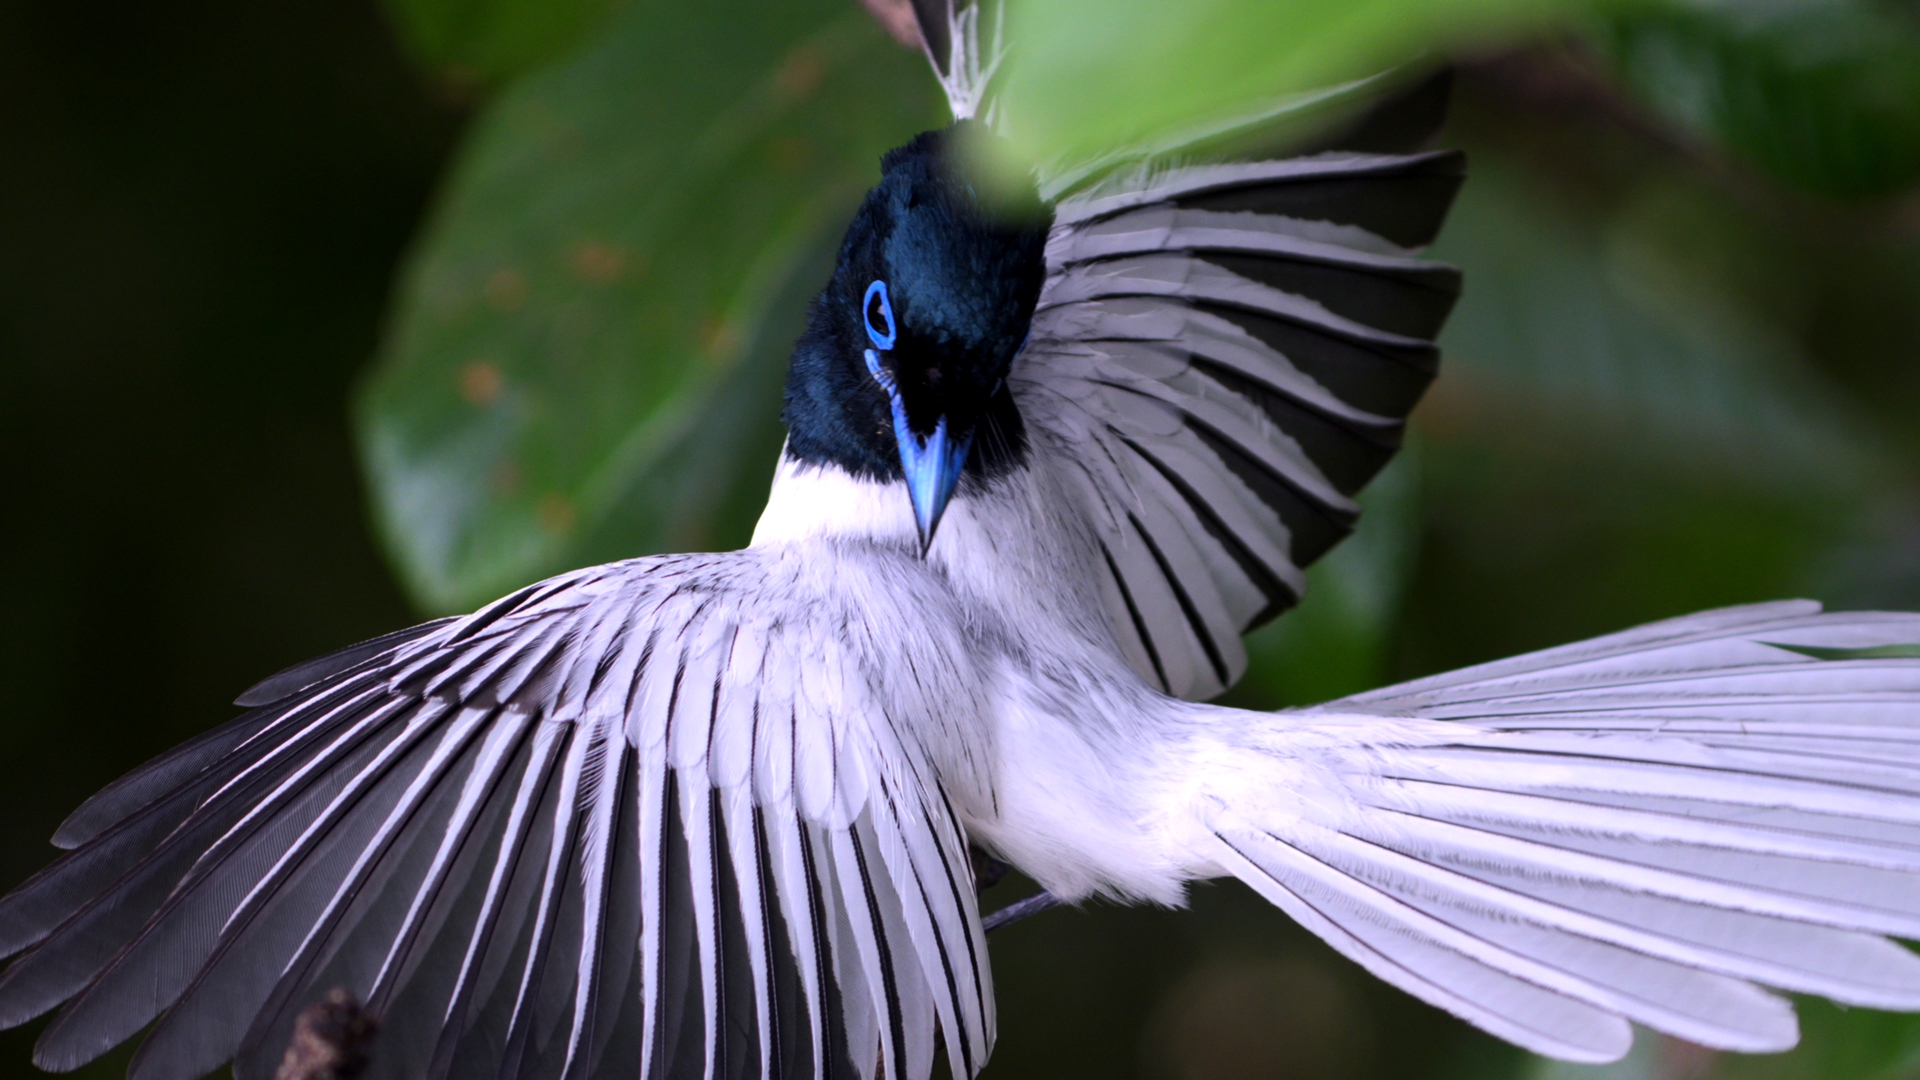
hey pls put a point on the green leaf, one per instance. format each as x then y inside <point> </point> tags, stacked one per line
<point>487,39</point>
<point>1822,94</point>
<point>1086,76</point>
<point>586,358</point>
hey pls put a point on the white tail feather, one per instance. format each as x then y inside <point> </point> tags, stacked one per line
<point>1640,827</point>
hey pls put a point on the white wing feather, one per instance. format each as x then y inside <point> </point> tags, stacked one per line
<point>1221,357</point>
<point>641,817</point>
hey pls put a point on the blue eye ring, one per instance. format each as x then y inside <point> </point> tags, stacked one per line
<point>882,339</point>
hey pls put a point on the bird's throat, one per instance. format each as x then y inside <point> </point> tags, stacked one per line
<point>811,501</point>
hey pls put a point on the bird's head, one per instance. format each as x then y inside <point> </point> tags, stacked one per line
<point>900,376</point>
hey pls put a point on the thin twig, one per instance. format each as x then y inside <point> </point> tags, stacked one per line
<point>1020,909</point>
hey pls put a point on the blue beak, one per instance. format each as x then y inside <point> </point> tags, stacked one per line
<point>933,469</point>
<point>932,463</point>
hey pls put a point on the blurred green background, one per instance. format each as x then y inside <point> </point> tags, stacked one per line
<point>318,317</point>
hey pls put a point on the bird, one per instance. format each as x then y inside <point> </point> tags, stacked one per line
<point>1051,452</point>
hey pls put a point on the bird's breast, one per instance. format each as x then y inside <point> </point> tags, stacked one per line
<point>997,650</point>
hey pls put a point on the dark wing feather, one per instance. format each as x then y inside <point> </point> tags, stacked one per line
<point>1224,355</point>
<point>621,821</point>
<point>285,684</point>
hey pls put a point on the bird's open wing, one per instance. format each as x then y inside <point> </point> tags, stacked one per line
<point>1640,827</point>
<point>1227,353</point>
<point>1222,356</point>
<point>637,820</point>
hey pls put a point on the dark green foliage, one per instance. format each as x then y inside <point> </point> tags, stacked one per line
<point>1824,96</point>
<point>477,42</point>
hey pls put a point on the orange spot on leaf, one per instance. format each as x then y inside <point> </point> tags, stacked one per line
<point>504,478</point>
<point>720,340</point>
<point>800,73</point>
<point>506,290</point>
<point>555,514</point>
<point>789,153</point>
<point>598,263</point>
<point>480,383</point>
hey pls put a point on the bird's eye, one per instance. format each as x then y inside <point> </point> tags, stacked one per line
<point>879,315</point>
